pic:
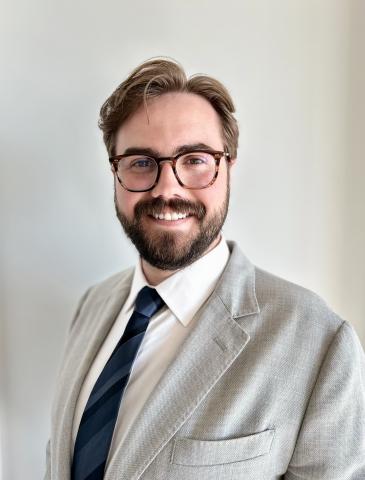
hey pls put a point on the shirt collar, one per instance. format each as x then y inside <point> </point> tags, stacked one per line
<point>187,289</point>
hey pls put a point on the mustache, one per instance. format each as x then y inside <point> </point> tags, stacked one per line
<point>178,205</point>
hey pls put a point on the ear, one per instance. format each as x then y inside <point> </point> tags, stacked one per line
<point>231,162</point>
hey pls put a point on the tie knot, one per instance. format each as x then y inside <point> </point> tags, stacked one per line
<point>148,301</point>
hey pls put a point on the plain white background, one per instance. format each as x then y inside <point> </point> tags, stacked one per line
<point>296,70</point>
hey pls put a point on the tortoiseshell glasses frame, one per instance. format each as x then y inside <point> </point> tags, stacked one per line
<point>217,155</point>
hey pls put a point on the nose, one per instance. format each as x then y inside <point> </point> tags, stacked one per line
<point>167,185</point>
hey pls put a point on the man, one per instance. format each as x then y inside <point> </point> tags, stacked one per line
<point>197,364</point>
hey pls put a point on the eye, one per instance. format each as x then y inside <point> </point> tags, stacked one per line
<point>195,159</point>
<point>137,164</point>
<point>142,162</point>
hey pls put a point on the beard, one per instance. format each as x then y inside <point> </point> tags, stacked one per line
<point>172,250</point>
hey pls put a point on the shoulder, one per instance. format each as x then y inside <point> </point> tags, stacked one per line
<point>280,303</point>
<point>277,294</point>
<point>113,283</point>
<point>296,313</point>
<point>116,284</point>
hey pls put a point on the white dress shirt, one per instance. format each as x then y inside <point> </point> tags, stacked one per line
<point>183,293</point>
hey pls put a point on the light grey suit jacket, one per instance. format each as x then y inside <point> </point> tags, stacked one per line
<point>270,384</point>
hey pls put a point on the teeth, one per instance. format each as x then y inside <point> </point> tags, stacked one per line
<point>169,216</point>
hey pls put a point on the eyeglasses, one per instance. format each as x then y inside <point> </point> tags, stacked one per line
<point>193,170</point>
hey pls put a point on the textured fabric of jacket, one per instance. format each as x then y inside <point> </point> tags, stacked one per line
<point>270,384</point>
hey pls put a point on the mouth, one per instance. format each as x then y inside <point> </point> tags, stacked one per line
<point>170,218</point>
<point>173,212</point>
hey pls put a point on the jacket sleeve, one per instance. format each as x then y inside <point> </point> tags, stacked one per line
<point>331,441</point>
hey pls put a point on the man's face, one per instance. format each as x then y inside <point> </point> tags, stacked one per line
<point>174,120</point>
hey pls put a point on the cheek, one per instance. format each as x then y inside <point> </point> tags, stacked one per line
<point>215,196</point>
<point>126,201</point>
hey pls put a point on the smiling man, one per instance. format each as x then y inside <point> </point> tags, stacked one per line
<point>195,363</point>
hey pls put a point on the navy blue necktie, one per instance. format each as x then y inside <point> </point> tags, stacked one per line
<point>98,420</point>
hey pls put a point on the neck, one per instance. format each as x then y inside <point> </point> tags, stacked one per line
<point>155,275</point>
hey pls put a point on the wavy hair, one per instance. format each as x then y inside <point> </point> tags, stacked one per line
<point>154,78</point>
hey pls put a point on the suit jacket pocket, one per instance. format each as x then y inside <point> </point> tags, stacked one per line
<point>188,451</point>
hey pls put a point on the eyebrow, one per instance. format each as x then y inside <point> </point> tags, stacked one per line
<point>179,150</point>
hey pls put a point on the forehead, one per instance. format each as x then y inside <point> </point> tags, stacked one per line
<point>171,120</point>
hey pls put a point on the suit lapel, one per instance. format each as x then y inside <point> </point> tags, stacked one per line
<point>82,351</point>
<point>213,345</point>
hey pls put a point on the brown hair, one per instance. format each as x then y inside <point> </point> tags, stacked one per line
<point>154,78</point>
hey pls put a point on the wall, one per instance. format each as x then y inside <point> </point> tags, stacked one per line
<point>296,72</point>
